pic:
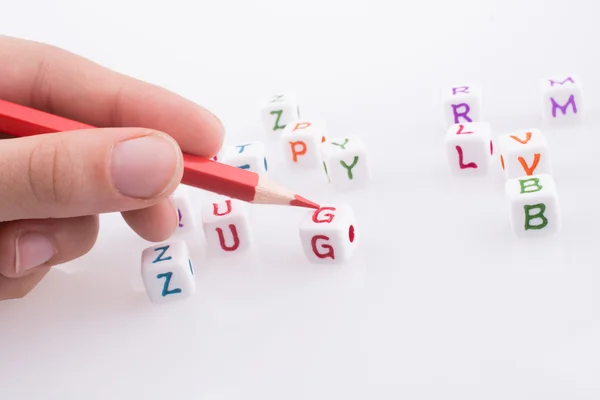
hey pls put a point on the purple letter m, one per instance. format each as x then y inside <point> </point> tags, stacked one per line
<point>563,108</point>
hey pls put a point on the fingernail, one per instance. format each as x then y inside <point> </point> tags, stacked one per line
<point>144,167</point>
<point>32,250</point>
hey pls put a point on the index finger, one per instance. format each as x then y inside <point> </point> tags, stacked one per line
<point>56,81</point>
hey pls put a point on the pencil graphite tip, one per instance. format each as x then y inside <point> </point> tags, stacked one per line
<point>300,201</point>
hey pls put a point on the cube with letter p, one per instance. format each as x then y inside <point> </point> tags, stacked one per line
<point>328,235</point>
<point>301,142</point>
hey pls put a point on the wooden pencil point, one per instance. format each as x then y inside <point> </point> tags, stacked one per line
<point>300,201</point>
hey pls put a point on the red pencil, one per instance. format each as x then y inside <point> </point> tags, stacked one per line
<point>199,172</point>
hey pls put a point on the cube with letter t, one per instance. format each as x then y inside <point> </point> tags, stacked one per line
<point>534,207</point>
<point>167,272</point>
<point>346,162</point>
<point>328,235</point>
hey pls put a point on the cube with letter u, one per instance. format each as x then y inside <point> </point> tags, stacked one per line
<point>328,235</point>
<point>226,227</point>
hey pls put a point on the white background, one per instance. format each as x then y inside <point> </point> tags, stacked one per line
<point>440,302</point>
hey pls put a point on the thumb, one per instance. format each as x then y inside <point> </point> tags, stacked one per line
<point>86,172</point>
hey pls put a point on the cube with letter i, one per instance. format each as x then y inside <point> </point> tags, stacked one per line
<point>167,272</point>
<point>250,156</point>
<point>462,104</point>
<point>534,206</point>
<point>185,211</point>
<point>524,153</point>
<point>328,235</point>
<point>301,142</point>
<point>279,111</point>
<point>226,227</point>
<point>562,98</point>
<point>346,162</point>
<point>469,148</point>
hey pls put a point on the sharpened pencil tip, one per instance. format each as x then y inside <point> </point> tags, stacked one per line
<point>300,201</point>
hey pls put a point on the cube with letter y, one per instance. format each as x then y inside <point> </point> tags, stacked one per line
<point>226,227</point>
<point>167,272</point>
<point>534,206</point>
<point>328,235</point>
<point>346,162</point>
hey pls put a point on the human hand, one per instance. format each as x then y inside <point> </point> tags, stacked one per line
<point>52,187</point>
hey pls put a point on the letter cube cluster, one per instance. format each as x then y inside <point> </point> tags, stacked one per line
<point>306,145</point>
<point>530,187</point>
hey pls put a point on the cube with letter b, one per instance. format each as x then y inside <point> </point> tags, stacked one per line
<point>167,272</point>
<point>534,207</point>
<point>328,235</point>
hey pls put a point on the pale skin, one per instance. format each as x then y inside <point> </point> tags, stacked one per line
<point>53,187</point>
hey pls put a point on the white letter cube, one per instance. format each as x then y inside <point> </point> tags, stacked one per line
<point>328,235</point>
<point>534,206</point>
<point>279,111</point>
<point>226,227</point>
<point>301,142</point>
<point>249,155</point>
<point>524,153</point>
<point>167,272</point>
<point>562,98</point>
<point>462,104</point>
<point>346,162</point>
<point>185,211</point>
<point>469,148</point>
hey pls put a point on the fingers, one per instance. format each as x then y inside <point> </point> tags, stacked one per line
<point>59,82</point>
<point>15,288</point>
<point>28,245</point>
<point>86,172</point>
<point>156,223</point>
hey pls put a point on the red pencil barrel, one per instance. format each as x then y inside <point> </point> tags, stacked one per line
<point>219,178</point>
